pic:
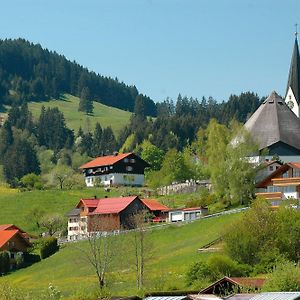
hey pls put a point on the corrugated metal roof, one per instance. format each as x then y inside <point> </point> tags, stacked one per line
<point>277,296</point>
<point>166,298</point>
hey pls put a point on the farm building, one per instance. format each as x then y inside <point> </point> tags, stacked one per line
<point>113,170</point>
<point>107,214</point>
<point>14,240</point>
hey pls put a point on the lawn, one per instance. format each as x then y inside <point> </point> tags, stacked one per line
<point>68,105</point>
<point>172,250</point>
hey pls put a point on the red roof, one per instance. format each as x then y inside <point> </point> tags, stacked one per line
<point>112,205</point>
<point>6,235</point>
<point>89,202</point>
<point>153,204</point>
<point>5,226</point>
<point>105,160</point>
<point>248,281</point>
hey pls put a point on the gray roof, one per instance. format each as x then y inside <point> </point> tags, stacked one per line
<point>274,122</point>
<point>277,296</point>
<point>73,212</point>
<point>294,73</point>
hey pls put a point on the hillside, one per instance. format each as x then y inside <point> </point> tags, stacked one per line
<point>29,72</point>
<point>173,250</point>
<point>105,115</point>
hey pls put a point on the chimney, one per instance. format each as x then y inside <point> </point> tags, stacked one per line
<point>116,153</point>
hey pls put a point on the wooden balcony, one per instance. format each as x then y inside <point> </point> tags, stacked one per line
<point>270,196</point>
<point>286,181</point>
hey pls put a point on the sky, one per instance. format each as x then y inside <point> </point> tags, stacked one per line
<point>166,47</point>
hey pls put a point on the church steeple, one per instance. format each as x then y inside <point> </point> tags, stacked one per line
<point>292,97</point>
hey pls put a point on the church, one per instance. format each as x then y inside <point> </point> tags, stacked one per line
<point>275,125</point>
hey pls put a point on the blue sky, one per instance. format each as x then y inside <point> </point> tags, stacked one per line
<point>165,47</point>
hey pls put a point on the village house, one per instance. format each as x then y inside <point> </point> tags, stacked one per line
<point>102,215</point>
<point>14,241</point>
<point>114,170</point>
<point>282,184</point>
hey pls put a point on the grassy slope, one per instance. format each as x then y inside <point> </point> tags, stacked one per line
<point>105,115</point>
<point>16,206</point>
<point>174,249</point>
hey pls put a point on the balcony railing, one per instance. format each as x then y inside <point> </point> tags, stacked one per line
<point>270,195</point>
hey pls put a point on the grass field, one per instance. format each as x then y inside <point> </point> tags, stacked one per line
<point>173,250</point>
<point>105,115</point>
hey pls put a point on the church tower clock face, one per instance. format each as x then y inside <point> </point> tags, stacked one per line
<point>290,104</point>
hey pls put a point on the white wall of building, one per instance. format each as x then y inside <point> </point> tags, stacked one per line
<point>77,227</point>
<point>290,97</point>
<point>116,179</point>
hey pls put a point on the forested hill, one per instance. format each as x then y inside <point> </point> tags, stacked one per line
<point>30,73</point>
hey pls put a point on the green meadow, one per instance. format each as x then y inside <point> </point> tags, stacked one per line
<point>171,251</point>
<point>68,105</point>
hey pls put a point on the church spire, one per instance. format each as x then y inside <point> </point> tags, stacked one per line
<point>294,73</point>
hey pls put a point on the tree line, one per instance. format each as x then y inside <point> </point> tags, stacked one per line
<point>30,73</point>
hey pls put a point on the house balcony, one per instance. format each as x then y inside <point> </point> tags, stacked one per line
<point>270,195</point>
<point>286,181</point>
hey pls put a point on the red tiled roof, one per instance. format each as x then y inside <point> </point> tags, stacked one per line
<point>294,165</point>
<point>153,204</point>
<point>6,235</point>
<point>105,160</point>
<point>5,226</point>
<point>112,205</point>
<point>248,281</point>
<point>89,202</point>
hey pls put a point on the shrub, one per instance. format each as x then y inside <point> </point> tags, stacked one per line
<point>48,246</point>
<point>4,262</point>
<point>285,277</point>
<point>197,271</point>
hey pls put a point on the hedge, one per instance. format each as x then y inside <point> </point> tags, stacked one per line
<point>48,246</point>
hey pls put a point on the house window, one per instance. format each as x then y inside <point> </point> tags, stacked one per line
<point>125,160</point>
<point>132,160</point>
<point>289,189</point>
<point>271,168</point>
<point>110,167</point>
<point>129,168</point>
<point>285,175</point>
<point>296,173</point>
<point>89,171</point>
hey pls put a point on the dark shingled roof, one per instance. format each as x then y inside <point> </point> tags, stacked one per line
<point>274,122</point>
<point>294,73</point>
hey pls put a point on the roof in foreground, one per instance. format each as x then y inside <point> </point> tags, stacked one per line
<point>277,296</point>
<point>166,298</point>
<point>274,122</point>
<point>105,160</point>
<point>6,235</point>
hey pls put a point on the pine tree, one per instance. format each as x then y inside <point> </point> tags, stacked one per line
<point>97,138</point>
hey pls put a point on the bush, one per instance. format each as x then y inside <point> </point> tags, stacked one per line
<point>197,271</point>
<point>284,278</point>
<point>48,246</point>
<point>4,262</point>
